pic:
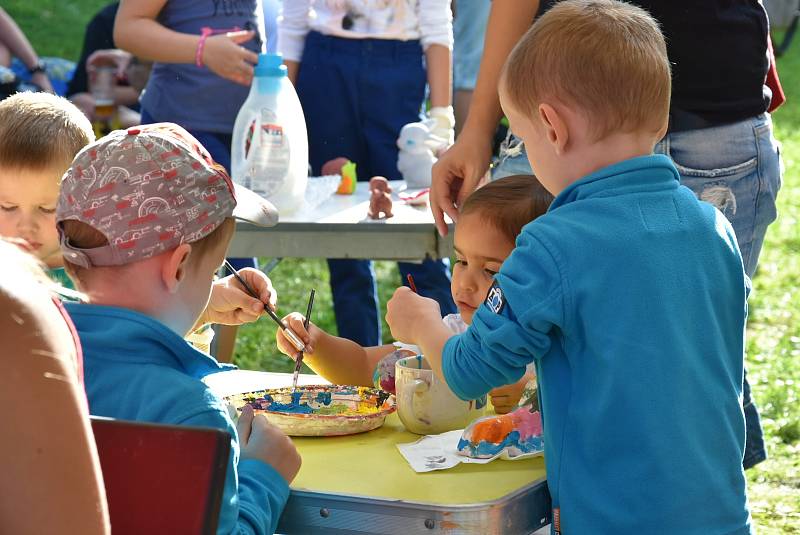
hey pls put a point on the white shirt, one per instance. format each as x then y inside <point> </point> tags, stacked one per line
<point>430,21</point>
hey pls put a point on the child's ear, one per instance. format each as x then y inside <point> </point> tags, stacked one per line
<point>173,270</point>
<point>555,127</point>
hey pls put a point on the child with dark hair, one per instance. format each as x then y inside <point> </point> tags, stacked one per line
<point>490,221</point>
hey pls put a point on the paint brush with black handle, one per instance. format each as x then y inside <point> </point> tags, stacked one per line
<point>290,334</point>
<point>299,360</point>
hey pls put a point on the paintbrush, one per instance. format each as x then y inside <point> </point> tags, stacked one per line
<point>299,360</point>
<point>411,284</point>
<point>290,335</point>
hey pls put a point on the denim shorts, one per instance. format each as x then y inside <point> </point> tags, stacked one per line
<point>469,28</point>
<point>736,168</point>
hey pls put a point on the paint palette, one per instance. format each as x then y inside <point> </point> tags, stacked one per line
<point>319,410</point>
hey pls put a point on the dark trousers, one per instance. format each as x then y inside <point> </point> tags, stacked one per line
<point>357,94</point>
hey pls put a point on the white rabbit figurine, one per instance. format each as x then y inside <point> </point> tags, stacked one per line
<point>416,157</point>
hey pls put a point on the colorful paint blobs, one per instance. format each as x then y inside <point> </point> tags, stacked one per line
<point>317,400</point>
<point>518,433</point>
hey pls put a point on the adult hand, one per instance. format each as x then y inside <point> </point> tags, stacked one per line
<point>42,81</point>
<point>230,304</point>
<point>457,174</point>
<point>259,439</point>
<point>407,313</point>
<point>110,57</point>
<point>295,322</point>
<point>85,103</point>
<point>224,57</point>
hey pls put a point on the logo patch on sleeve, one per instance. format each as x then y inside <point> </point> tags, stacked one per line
<point>495,300</point>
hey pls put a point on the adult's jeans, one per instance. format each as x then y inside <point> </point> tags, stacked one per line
<point>735,167</point>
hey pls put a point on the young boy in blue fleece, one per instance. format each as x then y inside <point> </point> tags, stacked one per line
<point>629,294</point>
<point>144,219</point>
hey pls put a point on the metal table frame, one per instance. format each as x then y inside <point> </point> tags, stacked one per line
<point>339,228</point>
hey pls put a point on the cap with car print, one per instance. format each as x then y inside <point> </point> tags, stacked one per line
<point>147,190</point>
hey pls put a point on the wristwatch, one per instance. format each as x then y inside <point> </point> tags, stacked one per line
<point>38,67</point>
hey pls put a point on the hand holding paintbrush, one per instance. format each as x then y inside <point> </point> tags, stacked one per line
<point>299,359</point>
<point>290,335</point>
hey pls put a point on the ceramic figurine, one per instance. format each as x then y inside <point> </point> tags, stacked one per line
<point>380,198</point>
<point>417,146</point>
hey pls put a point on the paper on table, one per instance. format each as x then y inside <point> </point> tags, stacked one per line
<point>440,452</point>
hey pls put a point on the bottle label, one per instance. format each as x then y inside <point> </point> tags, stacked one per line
<point>267,152</point>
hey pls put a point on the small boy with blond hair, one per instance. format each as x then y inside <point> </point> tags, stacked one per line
<point>40,133</point>
<point>629,294</point>
<point>144,218</point>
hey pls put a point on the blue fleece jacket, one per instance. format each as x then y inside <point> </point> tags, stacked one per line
<point>138,369</point>
<point>630,296</point>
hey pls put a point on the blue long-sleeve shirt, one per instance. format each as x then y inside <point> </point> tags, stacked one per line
<point>135,368</point>
<point>631,297</point>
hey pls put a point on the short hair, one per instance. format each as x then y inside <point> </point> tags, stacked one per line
<point>38,130</point>
<point>606,58</point>
<point>87,237</point>
<point>509,203</point>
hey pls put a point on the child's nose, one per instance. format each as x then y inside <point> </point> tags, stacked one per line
<point>466,282</point>
<point>27,221</point>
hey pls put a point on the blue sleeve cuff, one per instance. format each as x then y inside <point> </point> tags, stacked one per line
<point>262,495</point>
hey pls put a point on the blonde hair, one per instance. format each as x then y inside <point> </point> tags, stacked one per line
<point>87,237</point>
<point>38,130</point>
<point>606,58</point>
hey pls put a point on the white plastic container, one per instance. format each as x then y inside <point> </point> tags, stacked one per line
<point>269,150</point>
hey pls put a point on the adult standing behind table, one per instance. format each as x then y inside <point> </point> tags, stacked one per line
<point>720,134</point>
<point>360,68</point>
<point>51,479</point>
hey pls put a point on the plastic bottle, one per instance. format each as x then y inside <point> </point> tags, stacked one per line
<point>269,152</point>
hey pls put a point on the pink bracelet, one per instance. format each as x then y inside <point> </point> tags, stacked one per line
<point>201,44</point>
<point>205,33</point>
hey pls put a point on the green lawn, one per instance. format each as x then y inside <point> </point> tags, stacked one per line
<point>773,356</point>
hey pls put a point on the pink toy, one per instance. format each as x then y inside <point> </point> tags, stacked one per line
<point>380,199</point>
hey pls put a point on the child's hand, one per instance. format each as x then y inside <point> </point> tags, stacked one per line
<point>505,398</point>
<point>259,439</point>
<point>224,57</point>
<point>295,322</point>
<point>407,313</point>
<point>230,304</point>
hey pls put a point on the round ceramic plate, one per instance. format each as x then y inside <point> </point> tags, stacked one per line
<point>319,410</point>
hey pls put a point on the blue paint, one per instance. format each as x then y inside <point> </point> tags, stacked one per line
<point>490,449</point>
<point>296,397</point>
<point>293,408</point>
<point>324,398</point>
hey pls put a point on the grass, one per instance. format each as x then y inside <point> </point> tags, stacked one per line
<point>773,350</point>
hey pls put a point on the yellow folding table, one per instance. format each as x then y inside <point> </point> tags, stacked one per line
<point>361,483</point>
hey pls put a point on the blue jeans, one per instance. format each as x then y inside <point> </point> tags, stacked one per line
<point>218,146</point>
<point>357,94</point>
<point>735,167</point>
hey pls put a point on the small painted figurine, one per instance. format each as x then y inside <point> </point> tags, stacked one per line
<point>380,198</point>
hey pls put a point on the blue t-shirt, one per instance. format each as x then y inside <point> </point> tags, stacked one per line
<point>191,96</point>
<point>135,368</point>
<point>631,297</point>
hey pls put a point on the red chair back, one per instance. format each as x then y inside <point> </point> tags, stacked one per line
<point>161,478</point>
